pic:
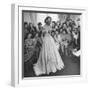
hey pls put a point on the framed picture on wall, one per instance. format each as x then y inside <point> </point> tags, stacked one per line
<point>47,44</point>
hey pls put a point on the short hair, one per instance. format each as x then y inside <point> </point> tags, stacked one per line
<point>39,23</point>
<point>47,18</point>
<point>54,22</point>
<point>25,23</point>
<point>64,24</point>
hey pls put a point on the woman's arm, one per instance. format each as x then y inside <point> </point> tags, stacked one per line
<point>43,32</point>
<point>49,32</point>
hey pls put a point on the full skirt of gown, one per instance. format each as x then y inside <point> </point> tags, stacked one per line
<point>49,59</point>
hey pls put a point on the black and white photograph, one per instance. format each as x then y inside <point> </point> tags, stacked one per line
<point>51,43</point>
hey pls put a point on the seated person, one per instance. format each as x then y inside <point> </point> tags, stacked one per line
<point>53,26</point>
<point>53,33</point>
<point>29,42</point>
<point>29,47</point>
<point>75,35</point>
<point>39,26</point>
<point>65,40</point>
<point>25,30</point>
<point>57,38</point>
<point>32,29</point>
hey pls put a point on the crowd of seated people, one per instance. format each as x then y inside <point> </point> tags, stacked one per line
<point>32,41</point>
<point>66,36</point>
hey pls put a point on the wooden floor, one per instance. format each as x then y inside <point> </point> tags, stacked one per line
<point>72,67</point>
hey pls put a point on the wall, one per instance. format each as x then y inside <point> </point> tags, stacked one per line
<point>5,43</point>
<point>27,17</point>
<point>40,17</point>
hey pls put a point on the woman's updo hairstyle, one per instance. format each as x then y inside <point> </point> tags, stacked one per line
<point>47,19</point>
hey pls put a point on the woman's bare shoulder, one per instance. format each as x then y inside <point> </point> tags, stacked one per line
<point>44,26</point>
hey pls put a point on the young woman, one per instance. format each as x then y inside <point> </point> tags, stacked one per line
<point>49,59</point>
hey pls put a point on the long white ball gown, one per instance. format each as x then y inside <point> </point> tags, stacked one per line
<point>49,59</point>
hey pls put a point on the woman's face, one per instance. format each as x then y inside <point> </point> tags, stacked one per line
<point>36,35</point>
<point>58,23</point>
<point>56,32</point>
<point>67,23</point>
<point>64,26</point>
<point>52,34</point>
<point>53,24</point>
<point>64,32</point>
<point>48,21</point>
<point>26,25</point>
<point>29,36</point>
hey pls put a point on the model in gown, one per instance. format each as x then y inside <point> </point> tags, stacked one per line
<point>49,59</point>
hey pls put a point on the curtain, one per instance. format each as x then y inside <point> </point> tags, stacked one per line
<point>33,17</point>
